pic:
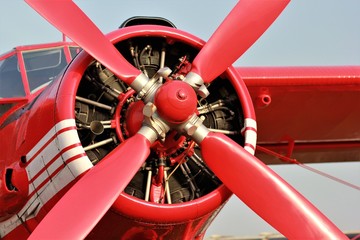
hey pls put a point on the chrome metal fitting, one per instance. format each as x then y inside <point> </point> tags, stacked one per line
<point>194,128</point>
<point>157,124</point>
<point>149,133</point>
<point>195,81</point>
<point>139,82</point>
<point>148,91</point>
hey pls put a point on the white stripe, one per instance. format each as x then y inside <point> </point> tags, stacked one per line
<point>62,141</point>
<point>59,181</point>
<point>249,150</point>
<point>48,191</point>
<point>61,125</point>
<point>64,124</point>
<point>44,194</point>
<point>31,188</point>
<point>32,207</point>
<point>23,215</point>
<point>65,139</point>
<point>80,165</point>
<point>63,178</point>
<point>250,137</point>
<point>40,144</point>
<point>72,152</point>
<point>46,174</point>
<point>43,158</point>
<point>9,225</point>
<point>58,163</point>
<point>249,132</point>
<point>249,122</point>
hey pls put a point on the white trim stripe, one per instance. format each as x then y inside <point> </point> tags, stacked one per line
<point>249,150</point>
<point>59,126</point>
<point>250,134</point>
<point>68,160</point>
<point>250,123</point>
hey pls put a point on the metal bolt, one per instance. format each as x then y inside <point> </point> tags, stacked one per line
<point>149,109</point>
<point>203,91</point>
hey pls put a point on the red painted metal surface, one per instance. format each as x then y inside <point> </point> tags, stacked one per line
<point>260,188</point>
<point>140,218</point>
<point>59,99</point>
<point>314,108</point>
<point>70,21</point>
<point>37,47</point>
<point>150,215</point>
<point>247,21</point>
<point>176,101</point>
<point>134,118</point>
<point>115,172</point>
<point>17,137</point>
<point>18,102</point>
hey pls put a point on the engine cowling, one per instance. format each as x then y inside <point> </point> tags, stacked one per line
<point>174,191</point>
<point>85,113</point>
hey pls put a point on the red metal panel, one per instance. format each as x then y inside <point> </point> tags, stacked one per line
<point>307,105</point>
<point>23,73</point>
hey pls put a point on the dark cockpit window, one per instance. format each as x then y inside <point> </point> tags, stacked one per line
<point>74,51</point>
<point>4,107</point>
<point>11,85</point>
<point>42,66</point>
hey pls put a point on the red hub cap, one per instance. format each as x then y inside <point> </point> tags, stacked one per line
<point>176,101</point>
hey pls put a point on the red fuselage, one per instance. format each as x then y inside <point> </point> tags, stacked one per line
<point>44,149</point>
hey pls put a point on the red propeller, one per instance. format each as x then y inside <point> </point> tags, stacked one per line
<point>264,191</point>
<point>77,213</point>
<point>245,175</point>
<point>70,20</point>
<point>247,21</point>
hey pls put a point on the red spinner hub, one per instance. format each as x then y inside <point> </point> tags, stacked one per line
<point>175,101</point>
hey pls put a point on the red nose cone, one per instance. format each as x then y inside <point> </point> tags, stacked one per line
<point>176,101</point>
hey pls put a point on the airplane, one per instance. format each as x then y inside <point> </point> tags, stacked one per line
<point>81,117</point>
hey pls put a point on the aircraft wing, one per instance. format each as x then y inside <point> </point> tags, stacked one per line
<point>311,114</point>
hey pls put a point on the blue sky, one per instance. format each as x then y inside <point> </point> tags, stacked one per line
<point>308,33</point>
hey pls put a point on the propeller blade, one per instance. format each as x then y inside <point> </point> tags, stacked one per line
<point>248,20</point>
<point>264,191</point>
<point>80,209</point>
<point>70,20</point>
